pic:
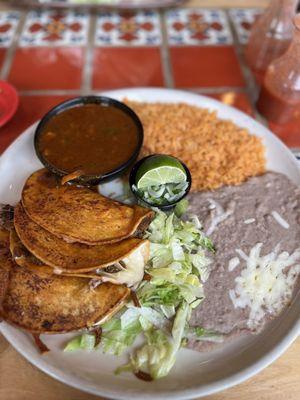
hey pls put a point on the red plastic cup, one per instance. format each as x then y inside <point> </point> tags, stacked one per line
<point>9,101</point>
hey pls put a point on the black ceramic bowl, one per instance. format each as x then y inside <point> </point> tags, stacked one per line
<point>166,207</point>
<point>90,179</point>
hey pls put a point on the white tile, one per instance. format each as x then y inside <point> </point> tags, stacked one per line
<point>8,24</point>
<point>198,27</point>
<point>55,28</point>
<point>243,20</point>
<point>128,29</point>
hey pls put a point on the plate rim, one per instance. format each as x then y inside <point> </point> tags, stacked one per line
<point>149,5</point>
<point>184,394</point>
<point>188,393</point>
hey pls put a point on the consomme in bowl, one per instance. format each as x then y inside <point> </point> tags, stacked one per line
<point>99,139</point>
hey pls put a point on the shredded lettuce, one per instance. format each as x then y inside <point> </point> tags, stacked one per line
<point>178,266</point>
<point>115,340</point>
<point>199,331</point>
<point>181,208</point>
<point>83,342</point>
<point>158,355</point>
<point>202,334</point>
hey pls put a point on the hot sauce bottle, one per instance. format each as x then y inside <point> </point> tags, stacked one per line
<point>270,36</point>
<point>279,99</point>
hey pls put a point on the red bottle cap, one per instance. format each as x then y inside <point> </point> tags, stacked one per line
<point>9,101</point>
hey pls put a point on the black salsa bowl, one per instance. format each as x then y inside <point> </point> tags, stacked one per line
<point>84,100</point>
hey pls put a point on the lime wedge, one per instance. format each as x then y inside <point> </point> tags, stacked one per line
<point>160,170</point>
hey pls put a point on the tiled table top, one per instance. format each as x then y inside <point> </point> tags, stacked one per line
<point>50,56</point>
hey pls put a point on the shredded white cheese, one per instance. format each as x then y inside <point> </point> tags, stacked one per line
<point>249,221</point>
<point>281,221</point>
<point>133,273</point>
<point>242,254</point>
<point>266,284</point>
<point>234,262</point>
<point>218,214</point>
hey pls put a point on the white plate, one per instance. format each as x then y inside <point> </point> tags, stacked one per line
<point>194,374</point>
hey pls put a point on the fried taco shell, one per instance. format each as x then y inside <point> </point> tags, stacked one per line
<point>128,271</point>
<point>44,303</point>
<point>78,214</point>
<point>68,257</point>
<point>5,265</point>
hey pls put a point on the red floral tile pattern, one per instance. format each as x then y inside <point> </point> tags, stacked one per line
<point>128,29</point>
<point>8,23</point>
<point>127,50</point>
<point>126,67</point>
<point>31,108</point>
<point>43,68</point>
<point>243,20</point>
<point>197,27</point>
<point>55,28</point>
<point>205,66</point>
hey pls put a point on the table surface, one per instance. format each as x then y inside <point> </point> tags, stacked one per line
<point>18,378</point>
